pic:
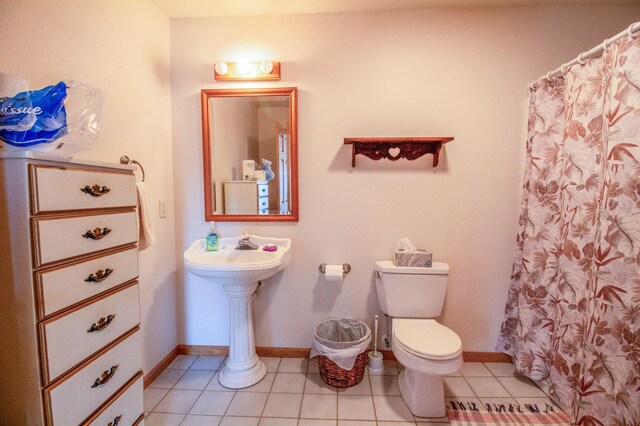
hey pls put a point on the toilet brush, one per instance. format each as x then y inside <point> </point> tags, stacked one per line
<point>376,364</point>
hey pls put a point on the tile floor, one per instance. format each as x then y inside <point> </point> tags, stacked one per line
<point>292,393</point>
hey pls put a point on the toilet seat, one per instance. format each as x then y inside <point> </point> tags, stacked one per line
<point>425,338</point>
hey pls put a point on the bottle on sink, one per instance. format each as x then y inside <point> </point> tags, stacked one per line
<point>212,238</point>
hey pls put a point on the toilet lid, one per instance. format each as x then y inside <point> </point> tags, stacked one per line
<point>426,338</point>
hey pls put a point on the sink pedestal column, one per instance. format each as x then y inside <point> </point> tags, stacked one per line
<point>242,368</point>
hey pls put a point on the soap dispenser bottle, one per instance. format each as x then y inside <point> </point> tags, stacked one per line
<point>212,238</point>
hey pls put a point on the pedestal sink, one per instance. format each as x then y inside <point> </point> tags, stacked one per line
<point>238,271</point>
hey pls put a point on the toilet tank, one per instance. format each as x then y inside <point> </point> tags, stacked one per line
<point>411,292</point>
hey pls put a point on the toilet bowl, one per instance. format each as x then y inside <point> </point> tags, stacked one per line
<point>428,351</point>
<point>412,297</point>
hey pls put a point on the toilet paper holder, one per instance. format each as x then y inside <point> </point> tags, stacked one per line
<point>346,268</point>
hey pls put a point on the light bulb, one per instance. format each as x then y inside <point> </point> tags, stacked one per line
<point>222,68</point>
<point>266,67</point>
<point>244,68</point>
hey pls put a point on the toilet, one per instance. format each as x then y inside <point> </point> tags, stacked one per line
<point>413,297</point>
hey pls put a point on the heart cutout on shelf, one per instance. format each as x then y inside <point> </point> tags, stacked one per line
<point>394,152</point>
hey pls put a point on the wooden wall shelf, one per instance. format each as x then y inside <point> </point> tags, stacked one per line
<point>395,148</point>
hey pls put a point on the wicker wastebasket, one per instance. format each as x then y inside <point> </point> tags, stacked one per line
<point>342,343</point>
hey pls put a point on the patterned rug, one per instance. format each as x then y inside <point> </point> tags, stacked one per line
<point>470,414</point>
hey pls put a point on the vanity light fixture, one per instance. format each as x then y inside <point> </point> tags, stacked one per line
<point>247,71</point>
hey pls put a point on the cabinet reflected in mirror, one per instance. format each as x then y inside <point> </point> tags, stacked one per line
<point>250,152</point>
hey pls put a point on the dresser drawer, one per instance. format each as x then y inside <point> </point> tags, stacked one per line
<point>76,397</point>
<point>65,286</point>
<point>263,203</point>
<point>64,238</point>
<point>262,189</point>
<point>125,409</point>
<point>57,189</point>
<point>67,341</point>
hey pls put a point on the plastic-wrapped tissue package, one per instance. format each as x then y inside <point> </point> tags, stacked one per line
<point>64,117</point>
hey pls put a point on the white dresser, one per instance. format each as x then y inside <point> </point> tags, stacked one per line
<point>69,301</point>
<point>246,197</point>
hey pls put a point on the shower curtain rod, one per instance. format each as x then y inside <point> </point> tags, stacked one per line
<point>593,53</point>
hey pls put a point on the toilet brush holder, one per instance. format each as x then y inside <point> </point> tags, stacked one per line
<point>376,362</point>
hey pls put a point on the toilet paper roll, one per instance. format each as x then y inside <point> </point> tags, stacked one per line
<point>333,273</point>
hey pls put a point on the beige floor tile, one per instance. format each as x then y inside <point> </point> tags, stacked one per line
<point>283,405</point>
<point>391,408</point>
<point>313,366</point>
<point>239,421</point>
<point>289,382</point>
<point>457,387</point>
<point>432,423</point>
<point>163,419</point>
<point>248,404</point>
<point>195,420</point>
<point>167,379</point>
<point>177,402</point>
<point>385,385</point>
<point>362,388</point>
<point>293,365</point>
<point>395,423</point>
<point>263,385</point>
<point>316,422</point>
<point>182,362</point>
<point>485,387</point>
<point>152,396</point>
<point>356,423</point>
<point>194,380</point>
<point>521,387</point>
<point>213,403</point>
<point>214,384</point>
<point>354,407</point>
<point>315,384</point>
<point>273,421</point>
<point>501,369</point>
<point>318,406</point>
<point>271,363</point>
<point>475,369</point>
<point>206,362</point>
<point>390,368</point>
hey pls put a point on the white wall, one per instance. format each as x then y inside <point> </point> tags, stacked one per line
<point>121,48</point>
<point>461,73</point>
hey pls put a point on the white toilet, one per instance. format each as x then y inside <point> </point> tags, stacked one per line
<point>412,297</point>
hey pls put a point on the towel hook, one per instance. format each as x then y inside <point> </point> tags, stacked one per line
<point>125,160</point>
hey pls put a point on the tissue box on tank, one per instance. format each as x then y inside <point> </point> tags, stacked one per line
<point>419,258</point>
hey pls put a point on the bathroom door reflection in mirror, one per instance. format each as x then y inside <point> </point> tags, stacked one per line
<point>250,149</point>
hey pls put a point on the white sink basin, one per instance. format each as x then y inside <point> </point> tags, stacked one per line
<point>240,266</point>
<point>238,271</point>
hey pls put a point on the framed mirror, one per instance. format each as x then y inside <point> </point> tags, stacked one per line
<point>250,153</point>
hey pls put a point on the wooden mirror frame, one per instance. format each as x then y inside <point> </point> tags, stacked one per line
<point>205,96</point>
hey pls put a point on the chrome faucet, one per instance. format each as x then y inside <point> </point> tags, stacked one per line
<point>245,244</point>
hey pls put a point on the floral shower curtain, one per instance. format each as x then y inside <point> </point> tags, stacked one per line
<point>572,319</point>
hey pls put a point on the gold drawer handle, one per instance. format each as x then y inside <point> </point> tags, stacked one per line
<point>105,377</point>
<point>101,324</point>
<point>95,190</point>
<point>97,234</point>
<point>115,421</point>
<point>99,276</point>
